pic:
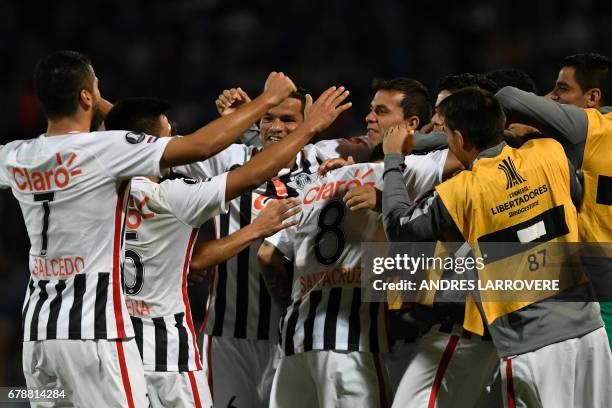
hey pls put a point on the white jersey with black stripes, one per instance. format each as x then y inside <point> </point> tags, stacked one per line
<point>73,190</point>
<point>327,312</point>
<point>162,225</point>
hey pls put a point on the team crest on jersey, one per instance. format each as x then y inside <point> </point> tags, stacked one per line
<point>513,178</point>
<point>134,138</point>
<point>190,181</point>
<point>303,179</point>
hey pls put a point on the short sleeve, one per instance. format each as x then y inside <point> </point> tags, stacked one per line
<point>5,180</point>
<point>192,202</point>
<point>127,154</point>
<point>424,172</point>
<point>213,166</point>
<point>283,241</point>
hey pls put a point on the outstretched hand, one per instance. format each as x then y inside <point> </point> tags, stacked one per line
<point>325,110</point>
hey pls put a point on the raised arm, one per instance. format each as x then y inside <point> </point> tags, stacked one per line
<point>403,219</point>
<point>270,161</point>
<point>566,122</point>
<point>220,133</point>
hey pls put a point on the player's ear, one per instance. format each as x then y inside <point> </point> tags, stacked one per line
<point>412,122</point>
<point>86,99</point>
<point>593,98</point>
<point>462,142</point>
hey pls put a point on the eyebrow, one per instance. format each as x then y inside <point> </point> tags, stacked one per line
<point>372,106</point>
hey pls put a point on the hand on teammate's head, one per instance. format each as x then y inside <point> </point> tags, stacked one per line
<point>326,109</point>
<point>278,87</point>
<point>398,139</point>
<point>231,99</point>
<point>336,163</point>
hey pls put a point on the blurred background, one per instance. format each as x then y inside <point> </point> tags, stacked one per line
<point>188,51</point>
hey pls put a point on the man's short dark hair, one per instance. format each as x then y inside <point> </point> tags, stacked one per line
<point>477,114</point>
<point>455,82</point>
<point>137,115</point>
<point>592,71</point>
<point>59,79</point>
<point>300,95</point>
<point>512,77</point>
<point>416,100</point>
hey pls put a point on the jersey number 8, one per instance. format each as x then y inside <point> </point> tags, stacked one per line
<point>329,224</point>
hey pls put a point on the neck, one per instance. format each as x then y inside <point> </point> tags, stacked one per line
<point>67,124</point>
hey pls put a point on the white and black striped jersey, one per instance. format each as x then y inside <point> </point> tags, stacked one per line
<point>162,224</point>
<point>239,304</point>
<point>73,191</point>
<point>326,311</point>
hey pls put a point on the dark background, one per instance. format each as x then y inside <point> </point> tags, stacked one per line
<point>188,51</point>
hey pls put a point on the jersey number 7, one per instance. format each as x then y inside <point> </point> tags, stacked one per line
<point>45,198</point>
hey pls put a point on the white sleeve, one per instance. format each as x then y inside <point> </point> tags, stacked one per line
<point>217,164</point>
<point>5,179</point>
<point>423,172</point>
<point>283,241</point>
<point>127,154</point>
<point>355,146</point>
<point>192,202</point>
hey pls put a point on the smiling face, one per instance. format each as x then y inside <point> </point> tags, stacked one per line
<point>385,111</point>
<point>280,121</point>
<point>567,90</point>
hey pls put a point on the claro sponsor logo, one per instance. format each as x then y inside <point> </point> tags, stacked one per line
<point>45,180</point>
<point>328,190</point>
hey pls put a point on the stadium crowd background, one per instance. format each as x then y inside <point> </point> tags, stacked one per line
<point>188,51</point>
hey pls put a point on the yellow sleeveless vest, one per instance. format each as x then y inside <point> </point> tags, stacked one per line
<point>595,213</point>
<point>521,195</point>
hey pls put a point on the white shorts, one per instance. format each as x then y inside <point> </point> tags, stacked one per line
<point>448,370</point>
<point>240,371</point>
<point>572,373</point>
<point>178,389</point>
<point>334,379</point>
<point>397,360</point>
<point>93,373</point>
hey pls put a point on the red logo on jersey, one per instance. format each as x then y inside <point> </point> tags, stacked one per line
<point>57,178</point>
<point>136,212</point>
<point>329,190</point>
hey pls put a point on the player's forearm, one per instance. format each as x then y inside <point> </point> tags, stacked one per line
<point>265,165</point>
<point>567,122</point>
<point>215,136</point>
<point>426,142</point>
<point>220,250</point>
<point>275,275</point>
<point>395,201</point>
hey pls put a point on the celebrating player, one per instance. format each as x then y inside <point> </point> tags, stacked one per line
<point>72,188</point>
<point>582,123</point>
<point>240,322</point>
<point>527,333</point>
